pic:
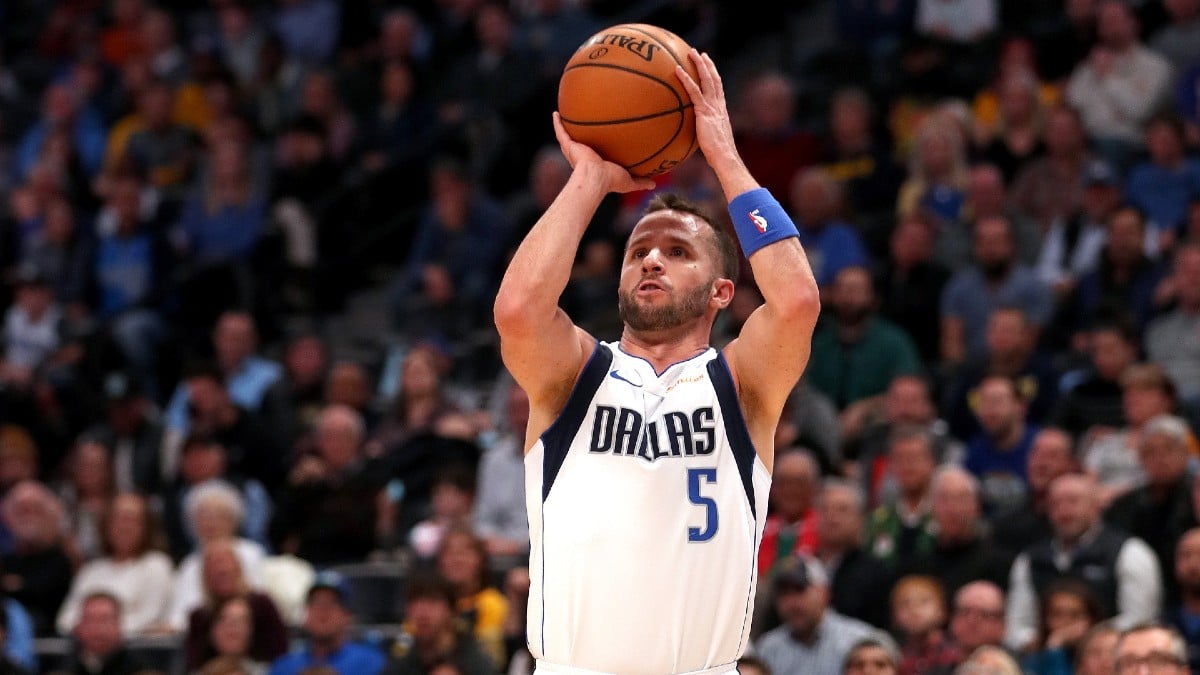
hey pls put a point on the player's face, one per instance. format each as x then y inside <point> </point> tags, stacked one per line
<point>668,272</point>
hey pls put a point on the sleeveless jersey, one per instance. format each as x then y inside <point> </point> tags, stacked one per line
<point>646,506</point>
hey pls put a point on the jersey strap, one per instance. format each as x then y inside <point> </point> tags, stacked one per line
<point>556,440</point>
<point>735,424</point>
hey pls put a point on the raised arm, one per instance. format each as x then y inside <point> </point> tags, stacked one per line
<point>540,345</point>
<point>769,355</point>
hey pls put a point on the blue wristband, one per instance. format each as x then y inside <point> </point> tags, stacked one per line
<point>759,220</point>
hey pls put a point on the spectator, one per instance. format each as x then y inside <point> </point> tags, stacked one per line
<point>162,150</point>
<point>858,353</point>
<point>1162,185</point>
<point>918,609</point>
<point>34,331</point>
<point>857,578</point>
<point>232,635</point>
<point>452,500</point>
<point>452,269</point>
<point>906,278</point>
<point>998,453</point>
<point>99,645</point>
<point>463,561</point>
<point>1160,511</point>
<point>1048,188</point>
<point>64,252</point>
<point>422,404</point>
<point>1012,351</point>
<point>1017,139</point>
<point>1121,569</point>
<point>815,199</point>
<point>1119,85</point>
<point>38,572</point>
<point>814,638</point>
<point>223,222</point>
<point>936,183</point>
<point>1051,455</point>
<point>898,529</point>
<point>987,197</point>
<point>977,616</point>
<point>62,111</point>
<point>1069,609</point>
<point>1073,243</point>
<point>1182,608</point>
<point>324,513</point>
<point>1172,339</point>
<point>160,47</point>
<point>85,493</point>
<point>308,28</point>
<point>1091,396</point>
<point>1111,456</point>
<point>429,619</point>
<point>215,511</point>
<point>868,655</point>
<point>1096,652</point>
<point>133,571</point>
<point>995,279</point>
<point>962,551</point>
<point>860,160</point>
<point>224,582</point>
<point>327,621</point>
<point>500,517</point>
<point>1155,646</point>
<point>773,144</point>
<point>1179,40</point>
<point>791,526</point>
<point>989,659</point>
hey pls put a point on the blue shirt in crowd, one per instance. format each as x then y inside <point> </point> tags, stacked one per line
<point>352,659</point>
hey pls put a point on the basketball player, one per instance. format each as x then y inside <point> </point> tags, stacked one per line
<point>650,461</point>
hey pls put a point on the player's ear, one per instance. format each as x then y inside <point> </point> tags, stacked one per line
<point>722,292</point>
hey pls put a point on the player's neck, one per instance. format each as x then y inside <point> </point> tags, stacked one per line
<point>663,348</point>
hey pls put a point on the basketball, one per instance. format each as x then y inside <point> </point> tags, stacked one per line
<point>619,94</point>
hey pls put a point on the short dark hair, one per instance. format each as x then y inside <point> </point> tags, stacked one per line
<point>429,585</point>
<point>727,252</point>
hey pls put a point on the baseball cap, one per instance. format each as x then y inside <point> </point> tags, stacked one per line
<point>800,572</point>
<point>333,581</point>
<point>1100,172</point>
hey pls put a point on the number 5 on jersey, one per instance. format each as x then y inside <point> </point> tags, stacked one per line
<point>696,479</point>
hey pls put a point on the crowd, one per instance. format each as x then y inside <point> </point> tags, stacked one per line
<point>991,461</point>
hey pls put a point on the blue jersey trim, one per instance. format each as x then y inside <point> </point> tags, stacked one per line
<point>556,441</point>
<point>736,431</point>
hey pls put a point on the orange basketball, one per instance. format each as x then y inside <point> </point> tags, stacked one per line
<point>619,94</point>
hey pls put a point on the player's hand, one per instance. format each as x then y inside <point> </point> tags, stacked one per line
<point>616,178</point>
<point>714,131</point>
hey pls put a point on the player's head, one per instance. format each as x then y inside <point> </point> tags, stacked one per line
<point>679,266</point>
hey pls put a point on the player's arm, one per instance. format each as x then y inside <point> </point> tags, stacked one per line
<point>769,355</point>
<point>540,345</point>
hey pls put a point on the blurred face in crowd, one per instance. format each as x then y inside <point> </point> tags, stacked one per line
<point>850,120</point>
<point>801,608</point>
<point>1112,353</point>
<point>215,520</point>
<point>1115,25</point>
<point>907,401</point>
<point>1186,272</point>
<point>234,339</point>
<point>1097,652</point>
<point>978,616</point>
<point>869,660</point>
<point>232,628</point>
<point>222,571</point>
<point>396,82</point>
<point>793,486</point>
<point>999,410</point>
<point>955,507</point>
<point>326,619</point>
<point>994,249</point>
<point>30,515</point>
<point>1073,507</point>
<point>911,243</point>
<point>126,526</point>
<point>839,518</point>
<point>1126,233</point>
<point>1051,456</point>
<point>91,472</point>
<point>1163,458</point>
<point>853,296</point>
<point>911,461</point>
<point>460,562</point>
<point>419,374</point>
<point>1064,608</point>
<point>201,461</point>
<point>917,608</point>
<point>813,196</point>
<point>1008,333</point>
<point>769,103</point>
<point>99,627</point>
<point>338,437</point>
<point>1164,143</point>
<point>348,385</point>
<point>1142,401</point>
<point>1152,647</point>
<point>428,618</point>
<point>1064,135</point>
<point>305,361</point>
<point>1187,562</point>
<point>985,191</point>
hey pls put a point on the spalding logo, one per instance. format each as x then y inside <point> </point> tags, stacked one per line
<point>641,47</point>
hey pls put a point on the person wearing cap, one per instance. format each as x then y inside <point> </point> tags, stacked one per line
<point>34,329</point>
<point>1072,244</point>
<point>1160,510</point>
<point>132,429</point>
<point>327,620</point>
<point>814,638</point>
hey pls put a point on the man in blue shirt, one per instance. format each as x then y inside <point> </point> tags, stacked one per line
<point>327,619</point>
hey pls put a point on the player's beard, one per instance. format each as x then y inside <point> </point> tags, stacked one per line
<point>690,305</point>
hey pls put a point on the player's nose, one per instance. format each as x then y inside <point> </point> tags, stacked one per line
<point>653,260</point>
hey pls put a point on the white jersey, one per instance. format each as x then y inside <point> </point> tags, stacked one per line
<point>646,507</point>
